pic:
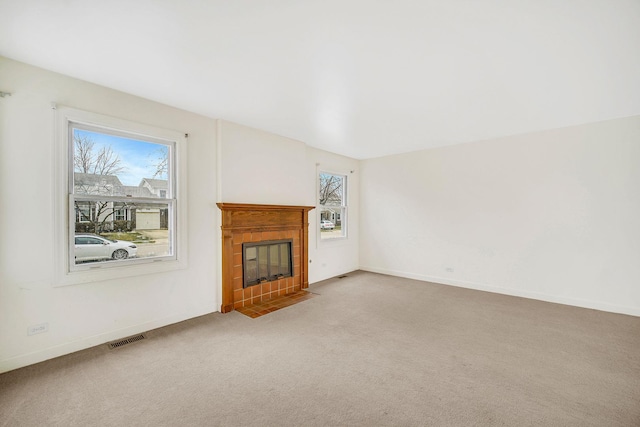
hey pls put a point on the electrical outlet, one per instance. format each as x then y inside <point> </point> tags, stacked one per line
<point>449,269</point>
<point>38,329</point>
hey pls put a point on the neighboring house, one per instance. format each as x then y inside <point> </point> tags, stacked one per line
<point>331,214</point>
<point>331,210</point>
<point>157,187</point>
<point>100,216</point>
<point>154,219</point>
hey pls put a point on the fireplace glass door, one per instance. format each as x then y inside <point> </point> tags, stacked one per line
<point>266,261</point>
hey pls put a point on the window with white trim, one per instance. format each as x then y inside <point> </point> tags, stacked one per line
<point>332,201</point>
<point>122,194</point>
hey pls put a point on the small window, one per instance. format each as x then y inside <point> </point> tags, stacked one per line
<point>84,212</point>
<point>332,202</point>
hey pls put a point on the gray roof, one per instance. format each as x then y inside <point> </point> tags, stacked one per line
<point>132,191</point>
<point>93,179</point>
<point>155,183</point>
<point>88,183</point>
<point>108,185</point>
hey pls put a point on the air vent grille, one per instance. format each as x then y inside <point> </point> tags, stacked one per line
<point>125,341</point>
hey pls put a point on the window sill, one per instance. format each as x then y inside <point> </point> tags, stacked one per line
<point>336,240</point>
<point>112,273</point>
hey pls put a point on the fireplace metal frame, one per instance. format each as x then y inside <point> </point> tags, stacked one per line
<point>269,277</point>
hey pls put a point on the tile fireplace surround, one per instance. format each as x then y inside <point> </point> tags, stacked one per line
<point>243,223</point>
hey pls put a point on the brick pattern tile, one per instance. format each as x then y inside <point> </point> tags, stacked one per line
<point>265,291</point>
<point>273,304</point>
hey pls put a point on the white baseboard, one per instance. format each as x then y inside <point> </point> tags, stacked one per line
<point>332,275</point>
<point>84,343</point>
<point>595,305</point>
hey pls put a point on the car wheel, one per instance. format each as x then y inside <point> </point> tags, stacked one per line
<point>120,254</point>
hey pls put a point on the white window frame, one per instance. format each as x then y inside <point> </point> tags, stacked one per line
<point>79,216</point>
<point>344,207</point>
<point>67,273</point>
<point>119,214</point>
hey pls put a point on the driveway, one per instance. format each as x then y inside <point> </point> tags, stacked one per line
<point>160,247</point>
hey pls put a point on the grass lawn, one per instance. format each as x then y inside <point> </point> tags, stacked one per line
<point>130,236</point>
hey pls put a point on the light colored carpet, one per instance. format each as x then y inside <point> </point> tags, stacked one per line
<point>372,350</point>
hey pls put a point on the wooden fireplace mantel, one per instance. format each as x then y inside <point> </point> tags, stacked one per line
<point>242,223</point>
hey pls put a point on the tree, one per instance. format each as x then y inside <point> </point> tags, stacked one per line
<point>102,162</point>
<point>162,163</point>
<point>331,189</point>
<point>95,163</point>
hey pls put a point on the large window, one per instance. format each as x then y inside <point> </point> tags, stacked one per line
<point>122,197</point>
<point>332,202</point>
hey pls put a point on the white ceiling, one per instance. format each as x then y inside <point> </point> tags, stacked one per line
<point>363,78</point>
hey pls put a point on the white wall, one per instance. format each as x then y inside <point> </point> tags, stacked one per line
<point>259,167</point>
<point>87,314</point>
<point>551,215</point>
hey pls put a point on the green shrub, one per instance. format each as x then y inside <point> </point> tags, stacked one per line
<point>85,227</point>
<point>121,225</point>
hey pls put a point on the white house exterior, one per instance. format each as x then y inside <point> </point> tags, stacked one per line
<point>107,215</point>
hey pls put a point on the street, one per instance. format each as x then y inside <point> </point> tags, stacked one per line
<point>160,247</point>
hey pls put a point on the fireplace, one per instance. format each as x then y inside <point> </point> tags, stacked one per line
<point>264,252</point>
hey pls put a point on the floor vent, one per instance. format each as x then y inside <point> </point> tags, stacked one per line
<point>343,276</point>
<point>125,341</point>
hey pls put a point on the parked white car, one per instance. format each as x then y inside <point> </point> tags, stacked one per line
<point>326,225</point>
<point>90,247</point>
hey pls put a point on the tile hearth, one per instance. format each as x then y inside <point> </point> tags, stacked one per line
<point>273,304</point>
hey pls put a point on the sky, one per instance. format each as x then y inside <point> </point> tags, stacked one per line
<point>139,158</point>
